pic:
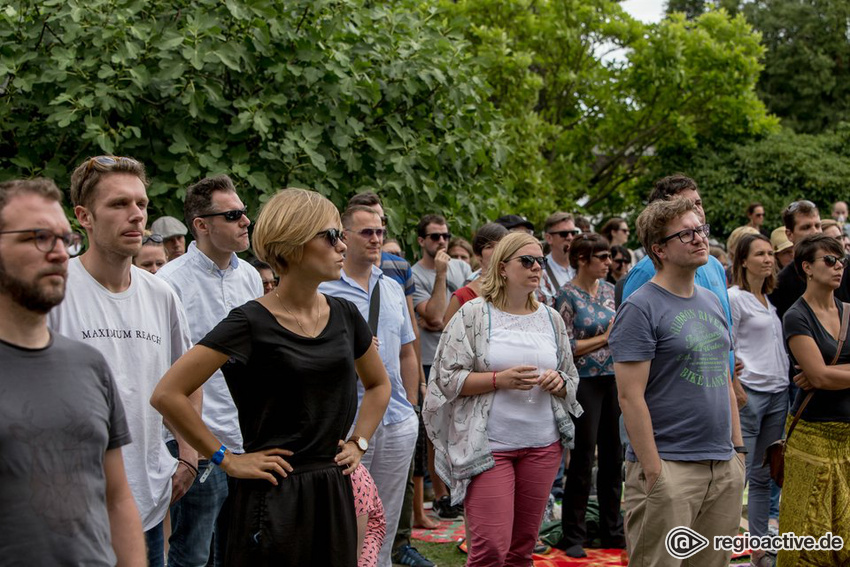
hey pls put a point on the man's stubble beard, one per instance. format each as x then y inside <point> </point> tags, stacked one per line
<point>29,296</point>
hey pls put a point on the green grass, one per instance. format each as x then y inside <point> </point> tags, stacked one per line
<point>443,554</point>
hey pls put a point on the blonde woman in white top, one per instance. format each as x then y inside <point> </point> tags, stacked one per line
<point>502,383</point>
<point>758,343</point>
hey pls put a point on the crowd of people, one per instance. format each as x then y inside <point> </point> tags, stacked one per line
<point>176,404</point>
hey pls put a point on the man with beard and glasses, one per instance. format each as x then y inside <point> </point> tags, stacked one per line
<point>670,342</point>
<point>210,280</point>
<point>63,488</point>
<point>136,321</point>
<point>559,230</point>
<point>436,276</point>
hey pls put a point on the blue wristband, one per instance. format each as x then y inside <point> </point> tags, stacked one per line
<point>218,456</point>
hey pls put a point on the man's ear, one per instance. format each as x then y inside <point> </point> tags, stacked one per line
<point>200,225</point>
<point>789,234</point>
<point>84,216</point>
<point>658,251</point>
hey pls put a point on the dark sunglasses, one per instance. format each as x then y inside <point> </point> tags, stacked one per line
<point>603,256</point>
<point>229,216</point>
<point>333,235</point>
<point>621,261</point>
<point>528,261</point>
<point>831,260</point>
<point>566,233</point>
<point>45,240</point>
<point>436,236</point>
<point>368,233</point>
<point>155,238</point>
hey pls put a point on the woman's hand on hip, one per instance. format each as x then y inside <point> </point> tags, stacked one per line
<point>517,378</point>
<point>261,464</point>
<point>349,456</point>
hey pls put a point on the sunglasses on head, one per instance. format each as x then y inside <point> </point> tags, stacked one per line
<point>528,261</point>
<point>436,236</point>
<point>566,233</point>
<point>229,216</point>
<point>155,238</point>
<point>367,233</point>
<point>333,235</point>
<point>831,260</point>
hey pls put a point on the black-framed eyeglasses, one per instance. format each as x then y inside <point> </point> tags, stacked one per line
<point>368,233</point>
<point>602,256</point>
<point>436,236</point>
<point>528,261</point>
<point>45,240</point>
<point>565,233</point>
<point>155,238</point>
<point>333,235</point>
<point>831,260</point>
<point>229,216</point>
<point>687,236</point>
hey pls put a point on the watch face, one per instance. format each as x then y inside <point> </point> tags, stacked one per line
<point>363,444</point>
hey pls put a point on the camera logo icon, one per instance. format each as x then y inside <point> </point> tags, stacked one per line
<point>683,542</point>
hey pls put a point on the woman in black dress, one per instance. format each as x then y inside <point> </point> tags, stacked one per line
<point>289,359</point>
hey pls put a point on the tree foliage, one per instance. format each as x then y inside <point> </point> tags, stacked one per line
<point>775,171</point>
<point>590,96</point>
<point>337,96</point>
<point>806,80</point>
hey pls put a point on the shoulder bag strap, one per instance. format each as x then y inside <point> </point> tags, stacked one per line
<point>552,278</point>
<point>375,308</point>
<point>842,337</point>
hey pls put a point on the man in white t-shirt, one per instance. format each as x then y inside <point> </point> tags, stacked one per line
<point>136,321</point>
<point>210,281</point>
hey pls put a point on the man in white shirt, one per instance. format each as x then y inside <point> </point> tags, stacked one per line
<point>210,281</point>
<point>136,321</point>
<point>559,230</point>
<point>391,448</point>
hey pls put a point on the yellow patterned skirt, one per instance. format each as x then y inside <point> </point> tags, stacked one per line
<point>816,495</point>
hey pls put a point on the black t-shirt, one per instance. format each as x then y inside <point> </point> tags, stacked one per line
<point>826,405</point>
<point>292,392</point>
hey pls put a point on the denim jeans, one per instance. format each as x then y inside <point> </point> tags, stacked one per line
<point>762,423</point>
<point>155,542</point>
<point>193,518</point>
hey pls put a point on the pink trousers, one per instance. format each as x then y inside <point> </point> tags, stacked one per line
<point>504,506</point>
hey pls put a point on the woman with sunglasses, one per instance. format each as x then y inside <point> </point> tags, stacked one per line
<point>289,359</point>
<point>151,257</point>
<point>587,306</point>
<point>816,492</point>
<point>483,243</point>
<point>498,403</point>
<point>621,261</point>
<point>757,339</point>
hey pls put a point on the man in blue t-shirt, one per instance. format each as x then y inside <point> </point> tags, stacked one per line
<point>670,343</point>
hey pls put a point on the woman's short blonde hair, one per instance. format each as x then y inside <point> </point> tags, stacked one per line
<point>493,285</point>
<point>288,221</point>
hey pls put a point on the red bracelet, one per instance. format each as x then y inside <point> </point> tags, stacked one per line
<point>494,382</point>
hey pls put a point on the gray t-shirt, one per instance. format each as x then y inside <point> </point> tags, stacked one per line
<point>59,414</point>
<point>423,278</point>
<point>688,342</point>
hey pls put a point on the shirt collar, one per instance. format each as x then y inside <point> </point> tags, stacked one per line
<point>377,274</point>
<point>204,261</point>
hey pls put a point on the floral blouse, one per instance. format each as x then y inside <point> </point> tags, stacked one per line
<point>586,317</point>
